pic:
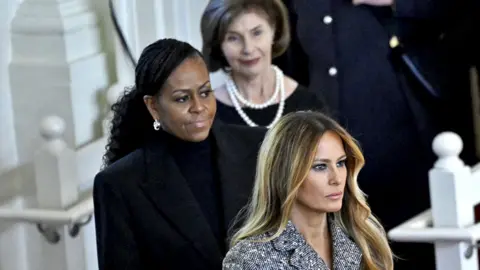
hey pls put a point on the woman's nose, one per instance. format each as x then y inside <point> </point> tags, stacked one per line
<point>197,105</point>
<point>247,46</point>
<point>334,178</point>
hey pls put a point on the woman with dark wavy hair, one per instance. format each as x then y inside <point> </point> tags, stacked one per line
<point>174,178</point>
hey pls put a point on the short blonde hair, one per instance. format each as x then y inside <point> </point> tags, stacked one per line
<point>218,16</point>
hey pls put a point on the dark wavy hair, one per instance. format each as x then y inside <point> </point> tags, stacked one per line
<point>131,125</point>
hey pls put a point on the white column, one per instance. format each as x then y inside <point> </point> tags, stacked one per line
<point>146,17</point>
<point>57,188</point>
<point>57,68</point>
<point>451,199</point>
<point>125,71</point>
<point>8,149</point>
<point>125,17</point>
<point>175,21</point>
<point>196,9</point>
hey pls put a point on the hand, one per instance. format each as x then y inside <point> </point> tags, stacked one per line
<point>374,2</point>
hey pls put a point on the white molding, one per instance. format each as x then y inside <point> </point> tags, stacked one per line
<point>52,17</point>
<point>31,25</point>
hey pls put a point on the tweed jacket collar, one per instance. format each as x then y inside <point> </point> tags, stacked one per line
<point>346,254</point>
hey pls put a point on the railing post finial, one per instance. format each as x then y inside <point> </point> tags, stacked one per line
<point>52,127</point>
<point>448,146</point>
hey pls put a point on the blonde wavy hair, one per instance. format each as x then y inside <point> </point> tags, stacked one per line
<point>286,156</point>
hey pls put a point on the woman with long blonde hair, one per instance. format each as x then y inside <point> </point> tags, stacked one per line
<point>307,211</point>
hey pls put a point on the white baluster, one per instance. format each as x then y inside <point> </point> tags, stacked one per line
<point>57,188</point>
<point>450,196</point>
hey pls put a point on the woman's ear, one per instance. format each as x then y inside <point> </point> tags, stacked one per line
<point>151,103</point>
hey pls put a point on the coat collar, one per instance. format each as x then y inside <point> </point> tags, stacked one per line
<point>236,160</point>
<point>346,254</point>
<point>230,144</point>
<point>168,190</point>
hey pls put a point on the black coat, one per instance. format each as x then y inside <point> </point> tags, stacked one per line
<point>391,115</point>
<point>146,216</point>
<point>441,37</point>
<point>365,95</point>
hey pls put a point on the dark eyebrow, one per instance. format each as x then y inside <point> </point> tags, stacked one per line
<point>326,160</point>
<point>188,90</point>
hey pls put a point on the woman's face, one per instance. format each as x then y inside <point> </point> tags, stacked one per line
<point>322,191</point>
<point>248,42</point>
<point>186,106</point>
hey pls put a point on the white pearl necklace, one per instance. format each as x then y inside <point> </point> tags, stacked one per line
<point>273,98</point>
<point>279,89</point>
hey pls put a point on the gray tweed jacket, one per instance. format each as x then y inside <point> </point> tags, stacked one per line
<point>290,251</point>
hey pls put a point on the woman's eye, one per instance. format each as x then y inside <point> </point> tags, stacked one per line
<point>341,163</point>
<point>232,38</point>
<point>181,99</point>
<point>206,93</point>
<point>319,167</point>
<point>257,33</point>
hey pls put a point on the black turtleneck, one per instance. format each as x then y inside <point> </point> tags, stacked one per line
<point>196,163</point>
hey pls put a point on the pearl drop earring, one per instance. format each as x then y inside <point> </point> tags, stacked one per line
<point>156,125</point>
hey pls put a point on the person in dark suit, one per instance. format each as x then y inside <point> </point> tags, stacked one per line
<point>174,178</point>
<point>307,211</point>
<point>341,49</point>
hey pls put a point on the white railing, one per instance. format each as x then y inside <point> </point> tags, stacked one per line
<point>82,210</point>
<point>63,189</point>
<point>450,223</point>
<point>48,221</point>
<point>63,177</point>
<point>56,178</point>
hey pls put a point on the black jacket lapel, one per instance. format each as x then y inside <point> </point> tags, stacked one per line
<point>237,156</point>
<point>169,192</point>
